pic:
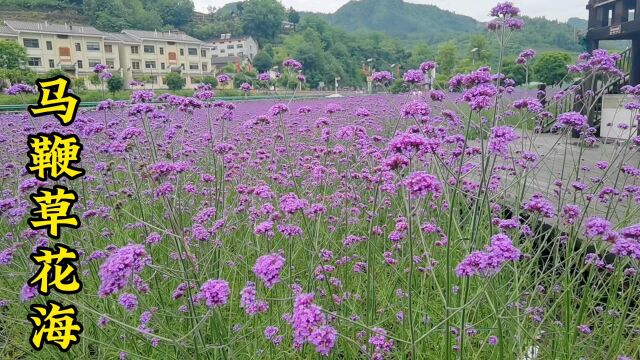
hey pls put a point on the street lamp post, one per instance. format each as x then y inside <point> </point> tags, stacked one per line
<point>474,52</point>
<point>369,79</point>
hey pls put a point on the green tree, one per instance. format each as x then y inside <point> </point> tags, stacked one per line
<point>446,57</point>
<point>262,61</point>
<point>175,12</point>
<point>551,68</point>
<point>211,80</point>
<point>116,83</point>
<point>12,55</point>
<point>479,50</point>
<point>175,81</point>
<point>514,71</point>
<point>419,54</point>
<point>262,19</point>
<point>293,16</point>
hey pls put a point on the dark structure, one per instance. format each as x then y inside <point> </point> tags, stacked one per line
<point>616,20</point>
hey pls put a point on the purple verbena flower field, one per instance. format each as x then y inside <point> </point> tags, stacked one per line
<point>434,225</point>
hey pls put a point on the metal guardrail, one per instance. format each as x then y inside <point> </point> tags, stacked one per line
<point>93,104</point>
<point>568,103</point>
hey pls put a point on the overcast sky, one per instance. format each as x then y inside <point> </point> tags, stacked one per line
<point>479,9</point>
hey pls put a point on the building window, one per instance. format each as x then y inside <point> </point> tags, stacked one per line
<point>134,49</point>
<point>232,54</point>
<point>214,48</point>
<point>34,61</point>
<point>171,43</point>
<point>108,48</point>
<point>78,47</point>
<point>182,66</point>
<point>135,65</point>
<point>149,64</point>
<point>193,51</point>
<point>62,36</point>
<point>52,63</point>
<point>79,63</point>
<point>240,54</point>
<point>161,51</point>
<point>161,66</point>
<point>193,67</point>
<point>111,64</point>
<point>93,46</point>
<point>230,46</point>
<point>203,53</point>
<point>31,43</point>
<point>94,62</point>
<point>239,46</point>
<point>49,45</point>
<point>222,51</point>
<point>181,52</point>
<point>204,66</point>
<point>149,49</point>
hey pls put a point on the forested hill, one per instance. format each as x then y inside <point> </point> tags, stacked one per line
<point>414,23</point>
<point>402,20</point>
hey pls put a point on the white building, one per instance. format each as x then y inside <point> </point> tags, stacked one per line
<point>151,55</point>
<point>146,56</point>
<point>75,49</point>
<point>244,48</point>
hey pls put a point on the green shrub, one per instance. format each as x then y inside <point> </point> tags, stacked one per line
<point>175,81</point>
<point>114,84</point>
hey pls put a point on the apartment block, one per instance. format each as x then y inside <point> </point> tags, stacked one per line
<point>75,49</point>
<point>244,48</point>
<point>144,56</point>
<point>151,55</point>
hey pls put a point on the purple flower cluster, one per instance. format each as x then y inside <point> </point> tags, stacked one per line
<point>421,184</point>
<point>121,267</point>
<point>415,109</point>
<point>20,88</point>
<point>427,66</point>
<point>292,64</point>
<point>538,204</point>
<point>142,96</point>
<point>509,23</point>
<point>491,260</point>
<point>129,302</point>
<point>505,9</point>
<point>501,137</point>
<point>525,56</point>
<point>572,119</point>
<point>215,293</point>
<point>268,268</point>
<point>599,61</point>
<point>290,203</point>
<point>596,226</point>
<point>264,76</point>
<point>223,78</point>
<point>310,325</point>
<point>414,77</point>
<point>249,300</point>
<point>98,68</point>
<point>382,77</point>
<point>278,109</point>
